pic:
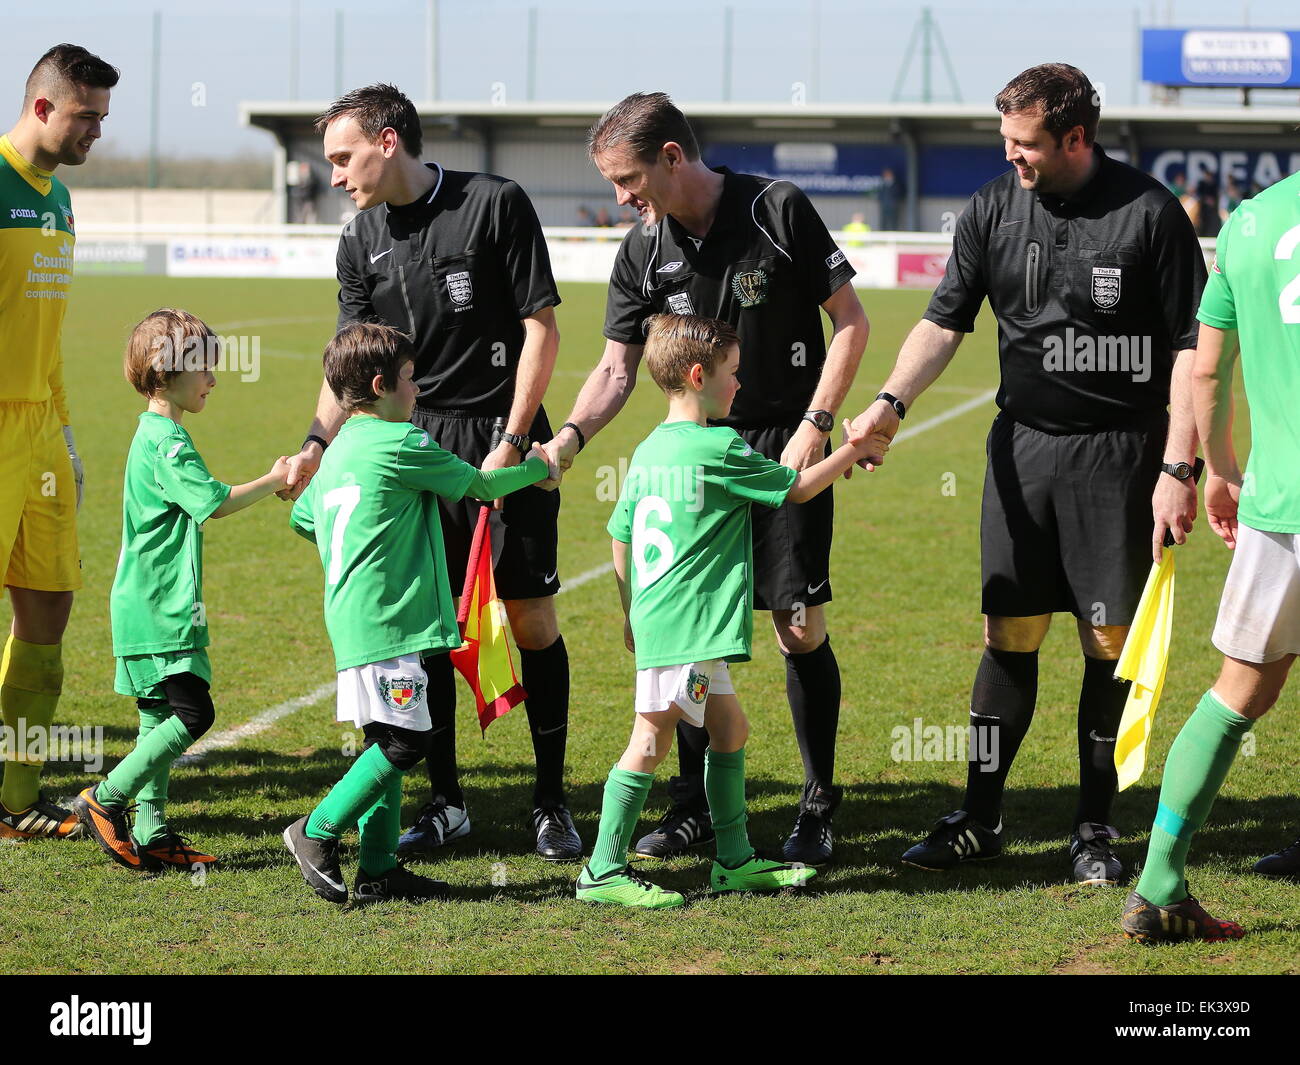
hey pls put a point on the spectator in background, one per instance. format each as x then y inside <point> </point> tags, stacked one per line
<point>584,216</point>
<point>626,218</point>
<point>888,194</point>
<point>857,224</point>
<point>1233,195</point>
<point>1208,219</point>
<point>603,219</point>
<point>1178,183</point>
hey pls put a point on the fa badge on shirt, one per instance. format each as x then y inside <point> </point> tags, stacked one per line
<point>460,289</point>
<point>1105,286</point>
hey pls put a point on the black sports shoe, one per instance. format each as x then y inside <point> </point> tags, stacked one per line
<point>318,861</point>
<point>956,838</point>
<point>1148,923</point>
<point>398,883</point>
<point>810,842</point>
<point>557,839</point>
<point>1094,861</point>
<point>1285,862</point>
<point>435,825</point>
<point>686,824</point>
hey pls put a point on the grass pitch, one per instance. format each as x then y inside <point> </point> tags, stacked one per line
<point>906,627</point>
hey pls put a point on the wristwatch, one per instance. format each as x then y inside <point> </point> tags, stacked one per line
<point>1181,471</point>
<point>896,403</point>
<point>519,440</point>
<point>823,420</point>
<point>323,443</point>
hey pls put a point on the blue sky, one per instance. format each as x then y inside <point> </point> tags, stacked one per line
<point>239,50</point>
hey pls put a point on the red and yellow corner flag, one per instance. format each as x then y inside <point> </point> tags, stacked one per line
<point>1143,661</point>
<point>484,659</point>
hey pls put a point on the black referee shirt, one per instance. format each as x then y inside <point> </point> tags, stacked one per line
<point>1092,296</point>
<point>766,266</point>
<point>456,270</point>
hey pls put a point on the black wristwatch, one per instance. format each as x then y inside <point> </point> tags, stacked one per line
<point>823,420</point>
<point>519,440</point>
<point>323,443</point>
<point>896,403</point>
<point>1181,471</point>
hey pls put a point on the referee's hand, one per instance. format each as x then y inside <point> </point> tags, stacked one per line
<point>879,422</point>
<point>302,468</point>
<point>1173,507</point>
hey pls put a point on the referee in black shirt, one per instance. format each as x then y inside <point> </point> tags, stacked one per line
<point>752,252</point>
<point>1094,274</point>
<point>459,263</point>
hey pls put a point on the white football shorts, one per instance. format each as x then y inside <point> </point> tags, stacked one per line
<point>1259,614</point>
<point>689,686</point>
<point>394,692</point>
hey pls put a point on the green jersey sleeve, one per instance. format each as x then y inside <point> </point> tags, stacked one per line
<point>426,467</point>
<point>1218,307</point>
<point>302,519</point>
<point>747,475</point>
<point>185,480</point>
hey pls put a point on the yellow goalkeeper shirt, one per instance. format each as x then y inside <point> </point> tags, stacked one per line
<point>36,241</point>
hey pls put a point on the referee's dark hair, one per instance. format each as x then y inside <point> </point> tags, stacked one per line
<point>357,354</point>
<point>376,108</point>
<point>64,66</point>
<point>676,342</point>
<point>1063,93</point>
<point>643,123</point>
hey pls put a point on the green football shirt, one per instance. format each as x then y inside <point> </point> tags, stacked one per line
<point>1254,287</point>
<point>684,509</point>
<point>371,510</point>
<point>167,494</point>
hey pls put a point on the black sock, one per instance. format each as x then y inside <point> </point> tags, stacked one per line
<point>441,760</point>
<point>1002,707</point>
<point>692,742</point>
<point>812,684</point>
<point>546,680</point>
<point>1101,706</point>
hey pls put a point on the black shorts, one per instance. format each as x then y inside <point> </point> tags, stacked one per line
<point>792,544</point>
<point>1066,522</point>
<point>524,530</point>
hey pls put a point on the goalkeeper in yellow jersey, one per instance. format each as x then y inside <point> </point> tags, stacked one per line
<point>65,101</point>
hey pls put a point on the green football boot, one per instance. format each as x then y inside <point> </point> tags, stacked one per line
<point>757,873</point>
<point>623,887</point>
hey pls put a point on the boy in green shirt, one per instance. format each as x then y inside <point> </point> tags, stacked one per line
<point>160,628</point>
<point>372,512</point>
<point>684,517</point>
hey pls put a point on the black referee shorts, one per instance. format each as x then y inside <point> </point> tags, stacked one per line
<point>1066,521</point>
<point>792,544</point>
<point>524,530</point>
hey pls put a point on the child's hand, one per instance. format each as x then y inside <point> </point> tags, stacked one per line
<point>554,474</point>
<point>870,446</point>
<point>627,635</point>
<point>280,470</point>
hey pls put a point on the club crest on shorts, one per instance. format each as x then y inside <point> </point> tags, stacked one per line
<point>1105,286</point>
<point>750,287</point>
<point>460,288</point>
<point>697,687</point>
<point>400,693</point>
<point>680,303</point>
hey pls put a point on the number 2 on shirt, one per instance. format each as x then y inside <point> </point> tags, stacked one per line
<point>644,538</point>
<point>1289,301</point>
<point>346,499</point>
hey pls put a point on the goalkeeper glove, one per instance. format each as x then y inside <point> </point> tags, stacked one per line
<point>78,471</point>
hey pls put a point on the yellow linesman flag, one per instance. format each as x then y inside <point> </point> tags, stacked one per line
<point>1143,661</point>
<point>484,659</point>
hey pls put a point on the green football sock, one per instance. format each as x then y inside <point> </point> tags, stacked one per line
<point>380,826</point>
<point>161,746</point>
<point>724,784</point>
<point>1197,765</point>
<point>352,796</point>
<point>626,791</point>
<point>151,818</point>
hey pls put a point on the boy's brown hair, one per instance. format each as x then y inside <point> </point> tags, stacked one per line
<point>357,353</point>
<point>676,342</point>
<point>166,343</point>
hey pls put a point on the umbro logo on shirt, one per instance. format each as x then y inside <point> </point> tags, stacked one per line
<point>671,268</point>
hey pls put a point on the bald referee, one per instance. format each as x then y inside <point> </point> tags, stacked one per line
<point>752,252</point>
<point>1093,272</point>
<point>65,101</point>
<point>457,261</point>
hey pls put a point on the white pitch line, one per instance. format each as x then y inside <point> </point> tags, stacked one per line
<point>267,718</point>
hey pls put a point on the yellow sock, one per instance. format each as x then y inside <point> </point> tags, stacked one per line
<point>31,679</point>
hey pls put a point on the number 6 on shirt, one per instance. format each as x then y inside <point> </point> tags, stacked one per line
<point>644,538</point>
